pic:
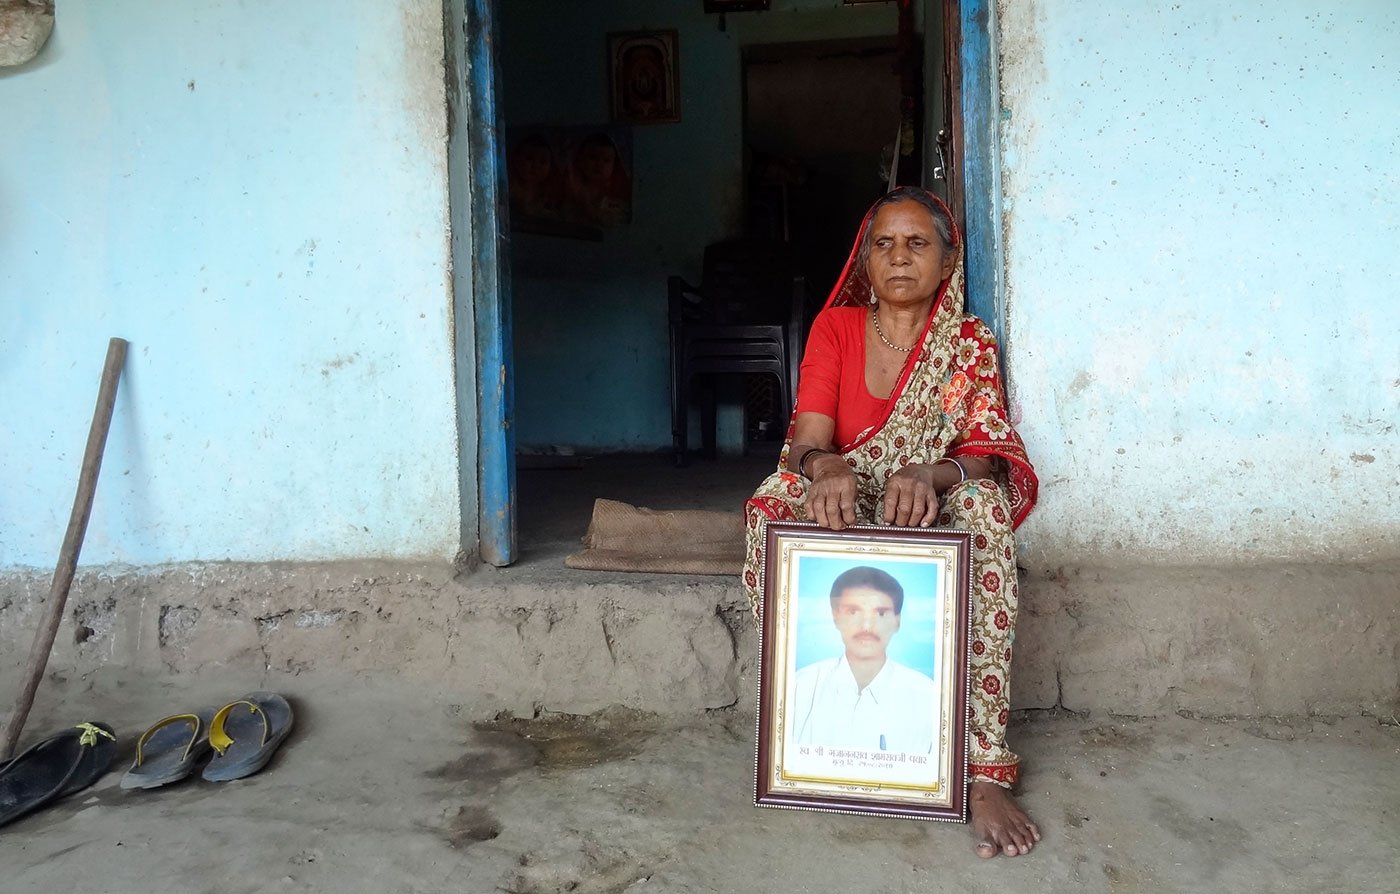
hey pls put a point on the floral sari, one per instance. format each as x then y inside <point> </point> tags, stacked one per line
<point>948,402</point>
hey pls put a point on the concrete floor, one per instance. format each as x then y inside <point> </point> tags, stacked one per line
<point>386,788</point>
<point>392,782</point>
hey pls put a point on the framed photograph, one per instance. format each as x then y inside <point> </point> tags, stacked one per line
<point>572,182</point>
<point>644,77</point>
<point>862,699</point>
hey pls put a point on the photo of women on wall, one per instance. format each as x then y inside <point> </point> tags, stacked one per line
<point>569,181</point>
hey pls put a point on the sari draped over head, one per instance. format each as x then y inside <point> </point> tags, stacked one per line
<point>948,401</point>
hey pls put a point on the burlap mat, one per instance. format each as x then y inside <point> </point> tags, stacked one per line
<point>623,537</point>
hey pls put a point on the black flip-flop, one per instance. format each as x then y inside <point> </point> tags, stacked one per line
<point>59,765</point>
<point>245,734</point>
<point>169,750</point>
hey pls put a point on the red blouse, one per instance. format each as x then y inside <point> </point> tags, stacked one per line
<point>832,379</point>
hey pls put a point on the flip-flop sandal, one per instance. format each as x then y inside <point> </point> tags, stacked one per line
<point>169,750</point>
<point>245,734</point>
<point>59,765</point>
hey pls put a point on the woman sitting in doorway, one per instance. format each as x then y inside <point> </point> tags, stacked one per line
<point>901,420</point>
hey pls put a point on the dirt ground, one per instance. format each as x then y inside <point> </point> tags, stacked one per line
<point>385,787</point>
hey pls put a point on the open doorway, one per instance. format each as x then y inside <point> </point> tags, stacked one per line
<point>822,138</point>
<point>590,348</point>
<point>820,124</point>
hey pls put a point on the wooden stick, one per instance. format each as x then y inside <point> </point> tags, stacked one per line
<point>72,545</point>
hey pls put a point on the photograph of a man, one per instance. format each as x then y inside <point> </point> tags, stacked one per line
<point>863,698</point>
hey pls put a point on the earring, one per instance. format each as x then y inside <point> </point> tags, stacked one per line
<point>873,299</point>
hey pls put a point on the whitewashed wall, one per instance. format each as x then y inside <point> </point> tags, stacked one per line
<point>255,196</point>
<point>1203,260</point>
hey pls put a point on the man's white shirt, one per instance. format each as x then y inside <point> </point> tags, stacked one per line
<point>895,712</point>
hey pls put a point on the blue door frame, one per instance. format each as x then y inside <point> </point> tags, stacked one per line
<point>979,105</point>
<point>490,284</point>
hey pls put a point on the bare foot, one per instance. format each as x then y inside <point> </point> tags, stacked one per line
<point>999,824</point>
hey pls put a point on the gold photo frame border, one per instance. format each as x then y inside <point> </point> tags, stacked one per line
<point>944,799</point>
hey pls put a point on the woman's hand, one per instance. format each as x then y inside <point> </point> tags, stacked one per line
<point>911,497</point>
<point>911,494</point>
<point>831,497</point>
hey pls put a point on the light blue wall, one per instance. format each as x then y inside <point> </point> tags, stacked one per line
<point>591,351</point>
<point>1203,213</point>
<point>255,195</point>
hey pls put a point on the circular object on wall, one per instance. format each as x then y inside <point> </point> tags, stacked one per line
<point>25,26</point>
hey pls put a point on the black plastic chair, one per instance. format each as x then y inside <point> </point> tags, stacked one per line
<point>748,315</point>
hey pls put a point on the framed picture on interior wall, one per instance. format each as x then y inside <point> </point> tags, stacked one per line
<point>572,181</point>
<point>862,699</point>
<point>644,77</point>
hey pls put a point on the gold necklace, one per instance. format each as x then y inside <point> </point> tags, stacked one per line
<point>875,318</point>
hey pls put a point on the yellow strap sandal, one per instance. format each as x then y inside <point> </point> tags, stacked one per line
<point>169,750</point>
<point>245,734</point>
